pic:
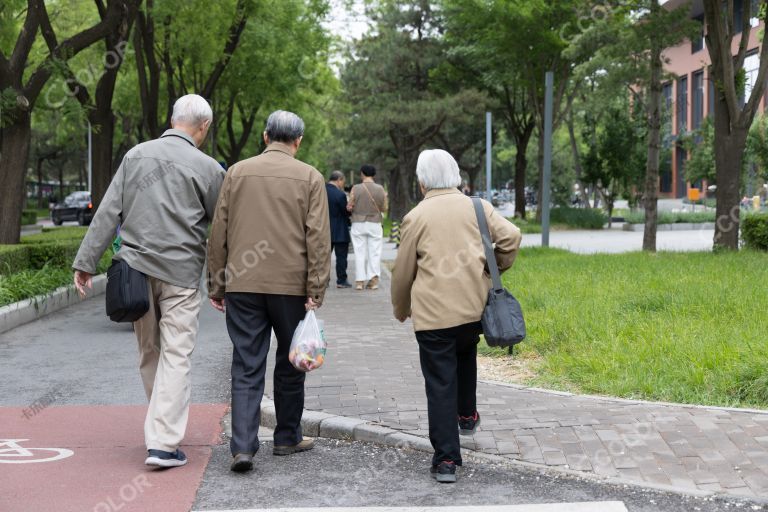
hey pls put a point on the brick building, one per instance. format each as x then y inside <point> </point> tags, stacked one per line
<point>689,96</point>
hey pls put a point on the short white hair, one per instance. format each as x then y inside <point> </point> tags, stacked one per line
<point>191,110</point>
<point>437,169</point>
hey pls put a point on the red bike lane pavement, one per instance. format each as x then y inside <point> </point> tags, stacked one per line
<point>95,460</point>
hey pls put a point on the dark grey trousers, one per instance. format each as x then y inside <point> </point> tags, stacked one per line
<point>250,320</point>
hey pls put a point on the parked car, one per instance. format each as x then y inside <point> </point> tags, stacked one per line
<point>76,206</point>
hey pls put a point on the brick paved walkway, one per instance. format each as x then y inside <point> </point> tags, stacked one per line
<point>372,372</point>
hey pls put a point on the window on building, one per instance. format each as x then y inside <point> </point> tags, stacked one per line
<point>681,157</point>
<point>698,99</point>
<point>738,14</point>
<point>697,44</point>
<point>682,105</point>
<point>751,67</point>
<point>667,107</point>
<point>665,171</point>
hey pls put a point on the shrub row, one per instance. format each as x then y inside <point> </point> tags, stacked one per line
<point>28,217</point>
<point>754,231</point>
<point>53,247</point>
<point>638,217</point>
<point>583,218</point>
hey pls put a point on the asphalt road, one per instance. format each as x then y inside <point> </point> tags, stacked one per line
<point>360,475</point>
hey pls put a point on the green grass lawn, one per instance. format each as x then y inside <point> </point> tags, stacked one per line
<point>678,327</point>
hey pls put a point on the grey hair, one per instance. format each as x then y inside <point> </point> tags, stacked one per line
<point>191,110</point>
<point>284,126</point>
<point>336,176</point>
<point>437,169</point>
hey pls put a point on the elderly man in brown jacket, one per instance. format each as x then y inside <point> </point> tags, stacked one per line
<point>268,262</point>
<point>440,281</point>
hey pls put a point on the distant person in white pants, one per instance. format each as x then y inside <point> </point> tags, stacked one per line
<point>368,203</point>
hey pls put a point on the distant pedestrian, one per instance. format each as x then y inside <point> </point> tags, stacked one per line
<point>440,281</point>
<point>337,207</point>
<point>162,197</point>
<point>368,203</point>
<point>269,260</point>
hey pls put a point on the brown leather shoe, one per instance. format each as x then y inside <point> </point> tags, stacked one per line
<point>304,446</point>
<point>242,462</point>
<point>373,284</point>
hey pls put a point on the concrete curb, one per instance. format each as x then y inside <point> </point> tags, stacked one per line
<point>618,400</point>
<point>320,424</point>
<point>29,310</point>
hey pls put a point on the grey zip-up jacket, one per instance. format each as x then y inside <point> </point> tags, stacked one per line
<point>163,196</point>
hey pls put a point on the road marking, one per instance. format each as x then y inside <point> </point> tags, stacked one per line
<point>592,506</point>
<point>11,452</point>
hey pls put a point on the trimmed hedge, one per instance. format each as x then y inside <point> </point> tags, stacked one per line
<point>584,218</point>
<point>56,234</point>
<point>13,258</point>
<point>28,217</point>
<point>754,231</point>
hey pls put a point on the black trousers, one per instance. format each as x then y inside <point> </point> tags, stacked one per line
<point>250,320</point>
<point>342,251</point>
<point>449,364</point>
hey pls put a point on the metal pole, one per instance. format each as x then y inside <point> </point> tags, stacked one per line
<point>545,191</point>
<point>488,156</point>
<point>90,160</point>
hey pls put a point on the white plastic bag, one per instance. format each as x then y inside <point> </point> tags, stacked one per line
<point>308,344</point>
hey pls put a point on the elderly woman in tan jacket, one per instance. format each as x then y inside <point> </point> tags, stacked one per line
<point>440,281</point>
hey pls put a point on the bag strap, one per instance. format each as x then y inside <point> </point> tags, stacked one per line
<point>372,199</point>
<point>485,234</point>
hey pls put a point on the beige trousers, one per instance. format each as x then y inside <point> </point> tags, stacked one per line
<point>166,336</point>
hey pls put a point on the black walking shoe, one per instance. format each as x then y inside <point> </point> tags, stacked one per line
<point>242,462</point>
<point>304,446</point>
<point>445,472</point>
<point>468,424</point>
<point>165,459</point>
<point>345,284</point>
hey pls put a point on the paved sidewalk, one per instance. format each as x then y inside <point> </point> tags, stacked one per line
<point>372,373</point>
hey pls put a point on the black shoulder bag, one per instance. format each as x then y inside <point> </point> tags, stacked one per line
<point>127,293</point>
<point>503,322</point>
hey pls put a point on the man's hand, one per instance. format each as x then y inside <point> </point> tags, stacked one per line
<point>218,304</point>
<point>402,319</point>
<point>311,304</point>
<point>83,280</point>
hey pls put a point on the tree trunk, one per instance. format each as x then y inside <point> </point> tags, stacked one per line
<point>102,150</point>
<point>729,155</point>
<point>577,161</point>
<point>15,150</point>
<point>399,188</point>
<point>521,165</point>
<point>651,195</point>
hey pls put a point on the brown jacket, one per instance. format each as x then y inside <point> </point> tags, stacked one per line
<point>439,277</point>
<point>271,229</point>
<point>368,201</point>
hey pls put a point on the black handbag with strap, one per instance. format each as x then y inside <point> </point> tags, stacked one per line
<point>503,322</point>
<point>127,295</point>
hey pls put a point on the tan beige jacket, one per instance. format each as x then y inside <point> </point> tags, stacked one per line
<point>271,229</point>
<point>439,277</point>
<point>369,202</point>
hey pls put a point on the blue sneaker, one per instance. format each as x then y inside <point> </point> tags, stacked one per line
<point>165,459</point>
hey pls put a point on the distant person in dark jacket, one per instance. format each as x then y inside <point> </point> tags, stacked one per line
<point>340,239</point>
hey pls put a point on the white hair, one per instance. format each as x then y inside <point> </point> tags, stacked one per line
<point>437,169</point>
<point>191,110</point>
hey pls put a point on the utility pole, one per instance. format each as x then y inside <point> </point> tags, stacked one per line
<point>545,191</point>
<point>488,142</point>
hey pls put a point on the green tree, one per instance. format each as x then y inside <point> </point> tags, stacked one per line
<point>26,65</point>
<point>396,107</point>
<point>732,119</point>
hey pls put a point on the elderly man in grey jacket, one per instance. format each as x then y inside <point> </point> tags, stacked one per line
<point>163,197</point>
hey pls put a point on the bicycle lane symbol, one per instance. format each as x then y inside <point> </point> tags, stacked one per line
<point>11,452</point>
